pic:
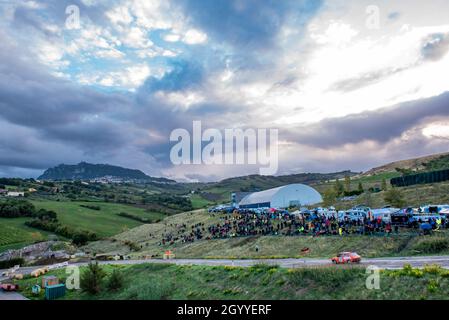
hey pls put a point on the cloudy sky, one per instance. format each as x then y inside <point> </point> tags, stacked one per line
<point>349,84</point>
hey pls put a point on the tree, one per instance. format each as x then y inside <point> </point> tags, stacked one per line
<point>80,239</point>
<point>329,197</point>
<point>339,189</point>
<point>384,185</point>
<point>115,281</point>
<point>360,188</point>
<point>92,278</point>
<point>347,184</point>
<point>365,199</point>
<point>395,198</point>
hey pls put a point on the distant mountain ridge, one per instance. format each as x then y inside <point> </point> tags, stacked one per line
<point>88,171</point>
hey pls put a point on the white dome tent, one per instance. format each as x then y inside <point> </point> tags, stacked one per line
<point>282,197</point>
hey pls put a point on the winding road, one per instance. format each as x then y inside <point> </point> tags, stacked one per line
<point>382,263</point>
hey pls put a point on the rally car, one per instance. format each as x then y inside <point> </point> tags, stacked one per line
<point>346,257</point>
<point>9,287</point>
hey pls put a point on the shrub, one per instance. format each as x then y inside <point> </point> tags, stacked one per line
<point>91,207</point>
<point>92,278</point>
<point>13,208</point>
<point>433,245</point>
<point>134,217</point>
<point>433,285</point>
<point>43,214</point>
<point>394,197</point>
<point>11,263</point>
<point>132,245</point>
<point>115,280</point>
<point>407,271</point>
<point>80,239</point>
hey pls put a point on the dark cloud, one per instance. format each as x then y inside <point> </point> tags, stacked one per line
<point>380,126</point>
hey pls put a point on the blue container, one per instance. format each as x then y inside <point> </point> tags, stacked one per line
<point>54,292</point>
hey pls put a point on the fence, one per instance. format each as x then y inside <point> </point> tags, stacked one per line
<point>421,178</point>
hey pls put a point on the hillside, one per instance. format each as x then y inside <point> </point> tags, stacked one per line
<point>221,190</point>
<point>259,282</point>
<point>145,241</point>
<point>431,162</point>
<point>87,171</point>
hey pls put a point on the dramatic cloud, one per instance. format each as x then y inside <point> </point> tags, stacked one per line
<point>380,126</point>
<point>343,94</point>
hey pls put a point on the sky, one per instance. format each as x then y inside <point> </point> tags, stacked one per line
<point>348,84</point>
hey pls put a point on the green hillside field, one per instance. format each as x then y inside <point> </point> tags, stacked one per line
<point>15,234</point>
<point>104,222</point>
<point>146,238</point>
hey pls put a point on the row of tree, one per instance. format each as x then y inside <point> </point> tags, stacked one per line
<point>43,219</point>
<point>392,196</point>
<point>13,208</point>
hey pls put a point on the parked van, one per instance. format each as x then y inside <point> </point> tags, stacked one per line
<point>384,213</point>
<point>352,215</point>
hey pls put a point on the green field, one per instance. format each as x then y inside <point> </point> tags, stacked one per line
<point>104,222</point>
<point>167,281</point>
<point>199,202</point>
<point>15,234</point>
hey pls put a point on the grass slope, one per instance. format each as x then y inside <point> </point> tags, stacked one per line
<point>15,234</point>
<point>164,281</point>
<point>147,238</point>
<point>104,222</point>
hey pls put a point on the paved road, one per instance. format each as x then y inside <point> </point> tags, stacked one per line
<point>383,263</point>
<point>11,296</point>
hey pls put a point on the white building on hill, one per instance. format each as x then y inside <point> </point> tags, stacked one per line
<point>282,197</point>
<point>15,194</point>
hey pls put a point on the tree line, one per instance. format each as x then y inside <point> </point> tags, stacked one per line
<point>46,220</point>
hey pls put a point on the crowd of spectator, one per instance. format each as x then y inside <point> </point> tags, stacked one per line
<point>247,223</point>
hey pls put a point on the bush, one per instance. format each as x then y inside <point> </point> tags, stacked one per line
<point>43,214</point>
<point>433,245</point>
<point>92,278</point>
<point>80,239</point>
<point>115,281</point>
<point>16,208</point>
<point>91,207</point>
<point>134,217</point>
<point>11,263</point>
<point>132,245</point>
<point>395,198</point>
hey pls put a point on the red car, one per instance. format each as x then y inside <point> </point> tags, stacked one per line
<point>9,287</point>
<point>346,257</point>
